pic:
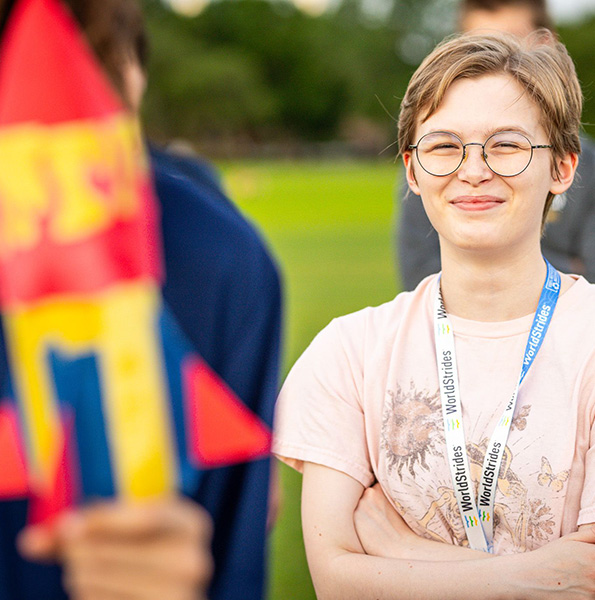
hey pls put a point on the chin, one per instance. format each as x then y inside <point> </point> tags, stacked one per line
<point>478,238</point>
<point>481,246</point>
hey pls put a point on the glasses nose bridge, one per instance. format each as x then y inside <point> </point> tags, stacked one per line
<point>483,150</point>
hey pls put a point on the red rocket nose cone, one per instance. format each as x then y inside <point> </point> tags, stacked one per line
<point>48,74</point>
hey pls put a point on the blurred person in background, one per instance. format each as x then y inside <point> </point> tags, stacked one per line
<point>569,235</point>
<point>224,290</point>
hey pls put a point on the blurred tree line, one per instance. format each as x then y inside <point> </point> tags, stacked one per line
<point>245,73</point>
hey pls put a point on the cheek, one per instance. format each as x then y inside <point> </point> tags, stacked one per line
<point>530,199</point>
<point>433,205</point>
<point>537,189</point>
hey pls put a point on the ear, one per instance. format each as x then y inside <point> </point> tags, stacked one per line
<point>566,170</point>
<point>410,173</point>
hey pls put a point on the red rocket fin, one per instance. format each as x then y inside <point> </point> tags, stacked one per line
<point>45,505</point>
<point>221,429</point>
<point>13,474</point>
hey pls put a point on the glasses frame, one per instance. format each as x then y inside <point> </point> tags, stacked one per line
<point>483,152</point>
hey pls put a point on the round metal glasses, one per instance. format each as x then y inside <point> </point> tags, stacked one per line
<point>506,153</point>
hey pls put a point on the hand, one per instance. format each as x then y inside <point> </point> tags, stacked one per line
<point>380,528</point>
<point>384,533</point>
<point>116,550</point>
<point>561,569</point>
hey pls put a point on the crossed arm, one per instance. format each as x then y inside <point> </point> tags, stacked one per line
<point>368,552</point>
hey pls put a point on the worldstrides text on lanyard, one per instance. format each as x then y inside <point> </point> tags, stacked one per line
<point>478,518</point>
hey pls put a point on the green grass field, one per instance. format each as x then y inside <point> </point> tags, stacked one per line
<point>330,226</point>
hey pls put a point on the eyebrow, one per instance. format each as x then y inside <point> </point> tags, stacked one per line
<point>489,132</point>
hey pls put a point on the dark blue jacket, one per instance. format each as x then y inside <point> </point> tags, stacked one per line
<point>223,288</point>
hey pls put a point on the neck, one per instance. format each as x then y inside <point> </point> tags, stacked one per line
<point>488,288</point>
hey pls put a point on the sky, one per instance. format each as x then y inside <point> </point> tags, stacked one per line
<point>563,10</point>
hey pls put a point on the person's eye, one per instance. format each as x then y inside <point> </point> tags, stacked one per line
<point>444,146</point>
<point>506,146</point>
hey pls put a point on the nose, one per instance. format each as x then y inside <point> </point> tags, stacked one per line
<point>474,168</point>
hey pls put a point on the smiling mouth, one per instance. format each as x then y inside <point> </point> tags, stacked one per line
<point>476,203</point>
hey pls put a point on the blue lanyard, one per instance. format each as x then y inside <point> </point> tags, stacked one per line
<point>479,522</point>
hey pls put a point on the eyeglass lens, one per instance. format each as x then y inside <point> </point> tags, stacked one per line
<point>507,153</point>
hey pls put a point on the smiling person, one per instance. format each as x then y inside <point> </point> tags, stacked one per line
<point>568,240</point>
<point>445,436</point>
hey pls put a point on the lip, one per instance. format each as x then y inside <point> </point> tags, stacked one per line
<point>476,203</point>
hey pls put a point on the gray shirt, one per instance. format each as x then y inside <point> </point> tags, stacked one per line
<point>568,240</point>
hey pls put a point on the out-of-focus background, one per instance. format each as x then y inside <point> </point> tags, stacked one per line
<point>295,102</point>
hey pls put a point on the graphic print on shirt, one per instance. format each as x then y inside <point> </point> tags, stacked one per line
<point>411,428</point>
<point>520,420</point>
<point>413,445</point>
<point>547,478</point>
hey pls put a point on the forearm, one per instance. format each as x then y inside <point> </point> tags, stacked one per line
<point>360,577</point>
<point>561,570</point>
<point>345,564</point>
<point>383,532</point>
<point>414,547</point>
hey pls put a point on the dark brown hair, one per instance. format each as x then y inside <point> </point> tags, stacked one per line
<point>538,8</point>
<point>114,29</point>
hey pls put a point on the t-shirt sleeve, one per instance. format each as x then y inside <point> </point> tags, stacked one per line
<point>587,504</point>
<point>587,510</point>
<point>319,415</point>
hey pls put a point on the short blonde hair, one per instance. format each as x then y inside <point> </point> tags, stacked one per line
<point>539,63</point>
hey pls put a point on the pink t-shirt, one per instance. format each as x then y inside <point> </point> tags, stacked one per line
<point>363,399</point>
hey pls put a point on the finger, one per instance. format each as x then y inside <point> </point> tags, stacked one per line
<point>121,520</point>
<point>367,498</point>
<point>96,588</point>
<point>119,583</point>
<point>163,559</point>
<point>38,543</point>
<point>89,593</point>
<point>378,496</point>
<point>584,534</point>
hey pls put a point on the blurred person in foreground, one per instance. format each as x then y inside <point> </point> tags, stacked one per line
<point>224,290</point>
<point>569,234</point>
<point>446,436</point>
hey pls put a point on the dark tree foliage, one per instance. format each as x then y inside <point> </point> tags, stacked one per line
<point>267,71</point>
<point>579,40</point>
<point>264,71</point>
